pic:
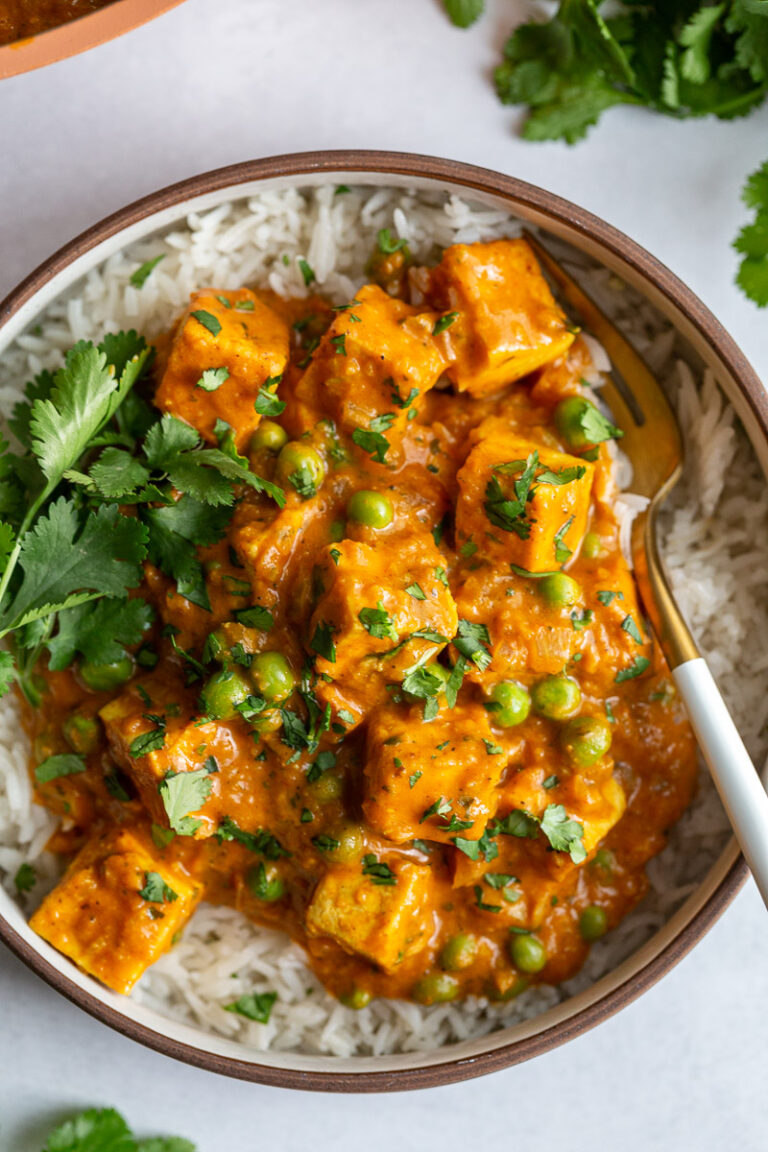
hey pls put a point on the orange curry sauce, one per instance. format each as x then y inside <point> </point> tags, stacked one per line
<point>407,825</point>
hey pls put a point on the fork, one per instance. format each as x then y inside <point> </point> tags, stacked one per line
<point>653,443</point>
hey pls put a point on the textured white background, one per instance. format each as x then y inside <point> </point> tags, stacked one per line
<point>217,81</point>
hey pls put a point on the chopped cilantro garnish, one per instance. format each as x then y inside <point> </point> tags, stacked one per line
<point>387,243</point>
<point>472,640</point>
<point>322,642</point>
<point>184,793</point>
<point>508,513</point>
<point>639,665</point>
<point>562,551</point>
<point>306,271</point>
<point>444,322</point>
<point>25,878</point>
<point>267,403</point>
<point>581,619</point>
<point>416,591</point>
<point>630,627</point>
<point>208,320</point>
<point>62,764</point>
<point>212,379</point>
<point>377,622</point>
<point>482,903</point>
<point>156,891</point>
<point>254,1006</point>
<point>606,596</point>
<point>414,778</point>
<point>325,843</point>
<point>379,872</point>
<point>255,617</point>
<point>145,270</point>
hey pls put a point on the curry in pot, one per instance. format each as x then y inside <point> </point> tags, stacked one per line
<point>409,711</point>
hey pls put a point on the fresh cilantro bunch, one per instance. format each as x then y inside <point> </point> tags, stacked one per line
<point>105,1130</point>
<point>681,58</point>
<point>100,483</point>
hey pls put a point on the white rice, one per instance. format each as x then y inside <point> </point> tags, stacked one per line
<point>714,539</point>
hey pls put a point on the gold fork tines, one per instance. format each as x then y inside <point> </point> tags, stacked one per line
<point>652,441</point>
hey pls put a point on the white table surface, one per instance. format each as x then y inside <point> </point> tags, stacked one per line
<point>217,81</point>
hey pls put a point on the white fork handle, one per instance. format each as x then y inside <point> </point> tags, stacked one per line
<point>743,795</point>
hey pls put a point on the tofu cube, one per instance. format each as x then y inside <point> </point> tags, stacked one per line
<point>230,331</point>
<point>542,534</point>
<point>360,583</point>
<point>508,323</point>
<point>117,908</point>
<point>232,780</point>
<point>433,781</point>
<point>377,359</point>
<point>383,923</point>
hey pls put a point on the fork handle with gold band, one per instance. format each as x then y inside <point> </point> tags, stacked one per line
<point>730,766</point>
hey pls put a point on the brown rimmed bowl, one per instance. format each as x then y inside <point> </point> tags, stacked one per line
<point>79,35</point>
<point>704,334</point>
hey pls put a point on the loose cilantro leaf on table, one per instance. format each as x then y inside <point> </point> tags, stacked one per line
<point>145,270</point>
<point>752,242</point>
<point>462,13</point>
<point>105,1130</point>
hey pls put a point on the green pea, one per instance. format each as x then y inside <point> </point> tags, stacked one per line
<point>303,459</point>
<point>514,704</point>
<point>328,787</point>
<point>266,883</point>
<point>592,546</point>
<point>351,843</point>
<point>104,677</point>
<point>356,998</point>
<point>459,952</point>
<point>337,531</point>
<point>527,952</point>
<point>569,421</point>
<point>560,590</point>
<point>586,740</point>
<point>272,675</point>
<point>605,860</point>
<point>373,509</point>
<point>269,437</point>
<point>593,923</point>
<point>556,697</point>
<point>435,988</point>
<point>82,733</point>
<point>510,993</point>
<point>222,693</point>
<point>211,566</point>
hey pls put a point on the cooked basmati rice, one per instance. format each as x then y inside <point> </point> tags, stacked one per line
<point>714,539</point>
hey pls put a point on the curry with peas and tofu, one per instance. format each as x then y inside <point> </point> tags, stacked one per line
<point>397,696</point>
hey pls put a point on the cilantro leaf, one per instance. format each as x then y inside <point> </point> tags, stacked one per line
<point>25,878</point>
<point>143,272</point>
<point>65,561</point>
<point>96,1130</point>
<point>116,473</point>
<point>62,764</point>
<point>184,793</point>
<point>462,13</point>
<point>501,509</point>
<point>156,891</point>
<point>254,1006</point>
<point>379,872</point>
<point>564,835</point>
<point>387,243</point>
<point>372,441</point>
<point>752,241</point>
<point>267,403</point>
<point>322,642</point>
<point>99,632</point>
<point>472,641</point>
<point>86,392</point>
<point>377,622</point>
<point>174,534</point>
<point>212,379</point>
<point>636,668</point>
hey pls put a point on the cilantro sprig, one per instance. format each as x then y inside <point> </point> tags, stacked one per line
<point>105,1130</point>
<point>89,444</point>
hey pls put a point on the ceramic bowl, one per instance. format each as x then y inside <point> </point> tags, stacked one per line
<point>703,332</point>
<point>79,35</point>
